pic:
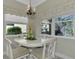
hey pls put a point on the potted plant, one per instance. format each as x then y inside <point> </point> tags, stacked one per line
<point>30,35</point>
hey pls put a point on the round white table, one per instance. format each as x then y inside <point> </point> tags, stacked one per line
<point>30,44</point>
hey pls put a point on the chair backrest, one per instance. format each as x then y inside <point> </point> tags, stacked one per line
<point>7,50</point>
<point>49,48</point>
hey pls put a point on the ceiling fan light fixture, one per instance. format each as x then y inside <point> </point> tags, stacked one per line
<point>30,10</point>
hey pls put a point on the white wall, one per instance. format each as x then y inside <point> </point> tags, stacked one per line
<point>8,18</point>
<point>66,47</point>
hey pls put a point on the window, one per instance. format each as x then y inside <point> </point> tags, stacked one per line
<point>64,26</point>
<point>46,27</point>
<point>22,26</point>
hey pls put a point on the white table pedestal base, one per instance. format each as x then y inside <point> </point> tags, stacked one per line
<point>31,56</point>
<point>28,56</point>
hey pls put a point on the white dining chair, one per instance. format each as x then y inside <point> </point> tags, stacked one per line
<point>7,49</point>
<point>49,48</point>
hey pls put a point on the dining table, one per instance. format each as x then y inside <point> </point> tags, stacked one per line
<point>30,45</point>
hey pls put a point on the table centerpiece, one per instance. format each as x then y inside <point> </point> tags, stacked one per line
<point>30,35</point>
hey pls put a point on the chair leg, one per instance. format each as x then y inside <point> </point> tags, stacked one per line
<point>54,49</point>
<point>44,51</point>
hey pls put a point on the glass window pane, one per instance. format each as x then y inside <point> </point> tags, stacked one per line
<point>22,26</point>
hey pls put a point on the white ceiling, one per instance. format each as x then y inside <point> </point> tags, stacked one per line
<point>34,3</point>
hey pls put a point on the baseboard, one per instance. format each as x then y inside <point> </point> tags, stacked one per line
<point>63,56</point>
